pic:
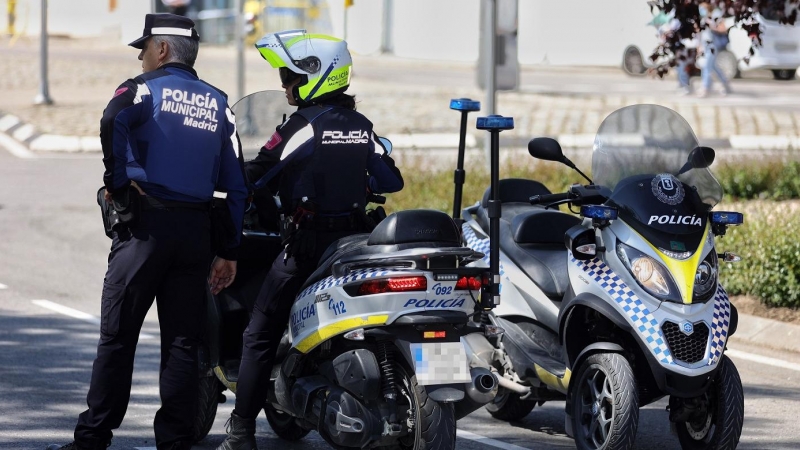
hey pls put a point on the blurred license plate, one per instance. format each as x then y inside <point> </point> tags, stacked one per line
<point>440,363</point>
<point>786,47</point>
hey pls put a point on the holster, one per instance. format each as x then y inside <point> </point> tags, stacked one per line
<point>122,211</point>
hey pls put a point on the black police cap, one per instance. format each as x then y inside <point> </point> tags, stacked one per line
<point>166,25</point>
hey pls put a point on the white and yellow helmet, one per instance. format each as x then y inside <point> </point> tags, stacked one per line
<point>322,62</point>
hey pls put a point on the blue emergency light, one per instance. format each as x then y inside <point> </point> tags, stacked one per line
<point>495,122</point>
<point>727,218</point>
<point>465,104</point>
<point>599,212</point>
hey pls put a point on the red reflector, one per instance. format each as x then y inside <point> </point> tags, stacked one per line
<point>468,283</point>
<point>393,285</point>
<point>434,334</point>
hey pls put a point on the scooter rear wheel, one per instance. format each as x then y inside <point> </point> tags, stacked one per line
<point>722,425</point>
<point>284,425</point>
<point>509,407</point>
<point>434,423</point>
<point>605,403</point>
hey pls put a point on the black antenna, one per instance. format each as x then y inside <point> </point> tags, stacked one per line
<point>464,105</point>
<point>494,124</point>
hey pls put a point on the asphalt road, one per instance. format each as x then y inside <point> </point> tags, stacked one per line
<point>52,249</point>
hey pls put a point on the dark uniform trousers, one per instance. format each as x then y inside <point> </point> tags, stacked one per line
<point>166,256</point>
<point>268,322</point>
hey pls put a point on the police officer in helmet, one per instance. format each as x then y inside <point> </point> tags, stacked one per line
<point>323,161</point>
<point>169,142</point>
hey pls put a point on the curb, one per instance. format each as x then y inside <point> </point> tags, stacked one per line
<point>26,135</point>
<point>767,333</point>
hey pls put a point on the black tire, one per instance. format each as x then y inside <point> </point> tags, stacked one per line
<point>784,74</point>
<point>284,425</point>
<point>508,406</point>
<point>632,61</point>
<point>605,403</point>
<point>435,423</point>
<point>728,64</point>
<point>207,401</point>
<point>723,423</point>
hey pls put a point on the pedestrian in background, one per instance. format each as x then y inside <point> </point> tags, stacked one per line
<point>169,141</point>
<point>714,39</point>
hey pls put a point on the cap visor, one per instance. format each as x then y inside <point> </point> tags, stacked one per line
<point>139,43</point>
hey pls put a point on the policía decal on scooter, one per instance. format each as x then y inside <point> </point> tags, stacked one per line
<point>667,189</point>
<point>434,303</point>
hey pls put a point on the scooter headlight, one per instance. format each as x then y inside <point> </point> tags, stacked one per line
<point>649,273</point>
<point>705,280</point>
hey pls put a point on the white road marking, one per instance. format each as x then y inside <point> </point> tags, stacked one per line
<point>763,360</point>
<point>15,148</point>
<point>488,441</point>
<point>67,311</point>
<point>3,286</point>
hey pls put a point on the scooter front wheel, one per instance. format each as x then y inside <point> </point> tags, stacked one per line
<point>721,426</point>
<point>605,403</point>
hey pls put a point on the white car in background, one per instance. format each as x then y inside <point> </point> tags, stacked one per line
<point>779,52</point>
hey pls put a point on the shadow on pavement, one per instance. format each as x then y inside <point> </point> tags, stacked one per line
<point>46,367</point>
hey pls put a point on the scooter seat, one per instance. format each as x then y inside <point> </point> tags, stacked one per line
<point>535,242</point>
<point>515,194</point>
<point>416,228</point>
<point>542,226</point>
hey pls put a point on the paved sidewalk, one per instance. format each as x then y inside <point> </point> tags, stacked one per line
<point>767,333</point>
<point>85,72</point>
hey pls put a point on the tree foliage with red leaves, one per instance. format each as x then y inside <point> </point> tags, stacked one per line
<point>691,24</point>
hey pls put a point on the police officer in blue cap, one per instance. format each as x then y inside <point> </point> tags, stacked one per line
<point>169,147</point>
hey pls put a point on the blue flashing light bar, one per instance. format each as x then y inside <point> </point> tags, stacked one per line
<point>465,104</point>
<point>599,212</point>
<point>495,122</point>
<point>727,217</point>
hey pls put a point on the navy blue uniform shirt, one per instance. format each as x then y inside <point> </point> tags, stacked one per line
<point>175,136</point>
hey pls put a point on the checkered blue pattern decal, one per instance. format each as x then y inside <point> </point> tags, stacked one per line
<point>473,242</point>
<point>719,326</point>
<point>360,274</point>
<point>480,245</point>
<point>637,312</point>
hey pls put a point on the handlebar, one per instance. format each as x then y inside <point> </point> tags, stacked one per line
<point>375,198</point>
<point>549,198</point>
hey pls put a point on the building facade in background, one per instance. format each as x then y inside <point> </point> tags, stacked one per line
<point>565,32</point>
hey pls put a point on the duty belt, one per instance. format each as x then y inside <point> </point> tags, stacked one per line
<point>336,223</point>
<point>149,202</point>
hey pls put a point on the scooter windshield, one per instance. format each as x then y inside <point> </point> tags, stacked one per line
<point>642,154</point>
<point>258,115</point>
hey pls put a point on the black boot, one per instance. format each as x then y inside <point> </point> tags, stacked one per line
<point>70,446</point>
<point>241,434</point>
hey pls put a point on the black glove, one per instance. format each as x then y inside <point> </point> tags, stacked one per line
<point>301,242</point>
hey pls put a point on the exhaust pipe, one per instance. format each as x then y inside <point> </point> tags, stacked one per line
<point>483,387</point>
<point>510,385</point>
<point>480,390</point>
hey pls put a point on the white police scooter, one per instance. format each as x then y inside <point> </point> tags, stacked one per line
<point>618,304</point>
<point>382,347</point>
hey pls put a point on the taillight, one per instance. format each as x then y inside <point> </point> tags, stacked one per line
<point>468,283</point>
<point>404,284</point>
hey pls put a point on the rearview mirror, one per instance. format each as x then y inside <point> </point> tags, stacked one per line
<point>701,157</point>
<point>387,145</point>
<point>546,148</point>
